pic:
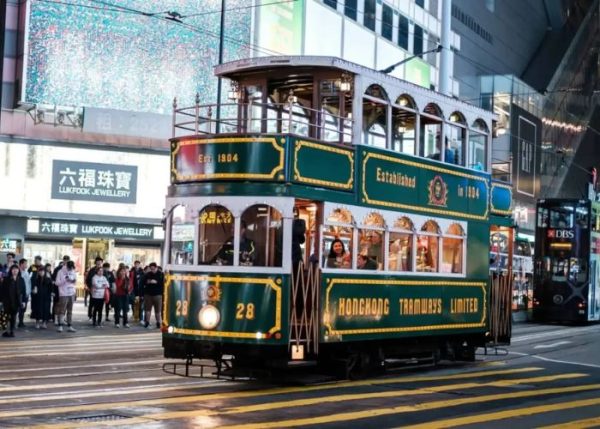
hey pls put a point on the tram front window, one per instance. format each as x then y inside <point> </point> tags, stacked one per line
<point>182,237</point>
<point>261,236</point>
<point>215,236</point>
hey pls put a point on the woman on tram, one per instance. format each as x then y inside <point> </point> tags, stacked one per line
<point>338,257</point>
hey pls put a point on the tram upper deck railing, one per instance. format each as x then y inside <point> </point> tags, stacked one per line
<point>242,118</point>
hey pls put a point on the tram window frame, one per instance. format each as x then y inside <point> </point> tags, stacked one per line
<point>339,224</point>
<point>365,234</point>
<point>264,255</point>
<point>404,126</point>
<point>476,141</point>
<point>410,254</point>
<point>429,145</point>
<point>460,240</point>
<point>436,259</point>
<point>217,255</point>
<point>561,216</point>
<point>188,221</point>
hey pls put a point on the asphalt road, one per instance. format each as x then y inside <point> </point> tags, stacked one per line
<point>549,377</point>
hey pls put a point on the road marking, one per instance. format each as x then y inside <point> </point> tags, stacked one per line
<point>86,365</point>
<point>96,393</point>
<point>549,346</point>
<point>84,383</point>
<point>580,424</point>
<point>507,414</point>
<point>357,415</point>
<point>566,331</point>
<point>395,393</point>
<point>73,353</point>
<point>591,365</point>
<point>254,393</point>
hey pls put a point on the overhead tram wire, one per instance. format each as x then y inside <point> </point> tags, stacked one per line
<point>239,8</point>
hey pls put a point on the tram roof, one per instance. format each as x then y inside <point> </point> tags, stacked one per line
<point>233,68</point>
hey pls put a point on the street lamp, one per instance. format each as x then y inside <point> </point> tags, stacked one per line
<point>391,68</point>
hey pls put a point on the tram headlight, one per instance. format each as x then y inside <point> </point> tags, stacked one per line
<point>209,317</point>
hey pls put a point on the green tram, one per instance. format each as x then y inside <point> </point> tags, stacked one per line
<point>317,218</point>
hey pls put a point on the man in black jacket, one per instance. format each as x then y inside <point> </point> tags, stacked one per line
<point>153,284</point>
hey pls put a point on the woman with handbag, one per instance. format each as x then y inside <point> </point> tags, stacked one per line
<point>100,288</point>
<point>121,296</point>
<point>40,294</point>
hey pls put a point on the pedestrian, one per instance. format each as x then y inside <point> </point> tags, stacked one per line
<point>13,289</point>
<point>65,280</point>
<point>41,291</point>
<point>5,269</point>
<point>153,284</point>
<point>121,298</point>
<point>88,281</point>
<point>25,297</point>
<point>54,295</point>
<point>33,270</point>
<point>99,286</point>
<point>135,277</point>
<point>110,276</point>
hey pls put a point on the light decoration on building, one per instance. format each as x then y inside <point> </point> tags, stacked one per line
<point>566,126</point>
<point>82,54</point>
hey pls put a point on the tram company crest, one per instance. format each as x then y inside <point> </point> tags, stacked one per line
<point>438,192</point>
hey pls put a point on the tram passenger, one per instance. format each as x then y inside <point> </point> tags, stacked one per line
<point>364,262</point>
<point>448,153</point>
<point>338,257</point>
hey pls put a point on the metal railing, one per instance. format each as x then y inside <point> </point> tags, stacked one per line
<point>276,118</point>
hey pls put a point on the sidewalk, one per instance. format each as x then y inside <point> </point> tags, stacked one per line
<point>82,324</point>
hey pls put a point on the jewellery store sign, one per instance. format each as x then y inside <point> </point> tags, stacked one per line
<point>90,181</point>
<point>91,229</point>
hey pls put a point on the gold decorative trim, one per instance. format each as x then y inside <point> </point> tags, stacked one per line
<point>266,282</point>
<point>494,209</point>
<point>333,282</point>
<point>348,153</point>
<point>368,200</point>
<point>270,140</point>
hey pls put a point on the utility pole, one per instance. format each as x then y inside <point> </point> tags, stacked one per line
<point>219,80</point>
<point>445,84</point>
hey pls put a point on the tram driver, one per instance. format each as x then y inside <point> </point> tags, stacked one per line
<point>247,250</point>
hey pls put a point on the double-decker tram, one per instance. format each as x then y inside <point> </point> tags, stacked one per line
<point>567,270</point>
<point>330,213</point>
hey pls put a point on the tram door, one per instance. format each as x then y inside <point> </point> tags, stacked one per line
<point>304,314</point>
<point>501,283</point>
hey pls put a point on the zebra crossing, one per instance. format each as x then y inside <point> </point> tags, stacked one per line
<point>107,380</point>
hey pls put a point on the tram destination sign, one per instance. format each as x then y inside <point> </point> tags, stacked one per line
<point>403,183</point>
<point>77,228</point>
<point>227,158</point>
<point>91,181</point>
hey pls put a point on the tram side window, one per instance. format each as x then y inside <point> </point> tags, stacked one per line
<point>452,250</point>
<point>261,236</point>
<point>428,247</point>
<point>401,245</point>
<point>181,250</point>
<point>336,247</point>
<point>371,247</point>
<point>215,236</point>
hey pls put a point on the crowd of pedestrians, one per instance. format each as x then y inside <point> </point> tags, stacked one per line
<point>50,294</point>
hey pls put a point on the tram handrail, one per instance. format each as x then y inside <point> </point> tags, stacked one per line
<point>290,118</point>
